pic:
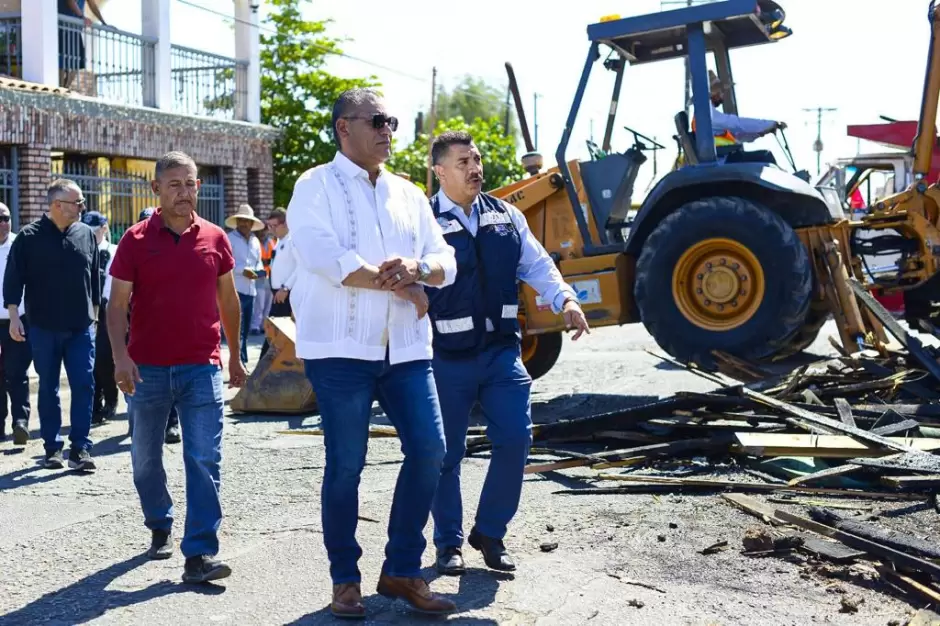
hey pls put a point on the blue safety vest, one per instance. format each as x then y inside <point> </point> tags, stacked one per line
<point>485,286</point>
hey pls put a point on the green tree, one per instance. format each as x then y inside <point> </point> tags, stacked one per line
<point>297,93</point>
<point>500,164</point>
<point>473,98</point>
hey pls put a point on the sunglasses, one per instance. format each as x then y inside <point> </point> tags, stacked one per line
<point>378,121</point>
<point>4,218</point>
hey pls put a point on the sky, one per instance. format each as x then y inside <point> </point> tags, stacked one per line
<point>832,60</point>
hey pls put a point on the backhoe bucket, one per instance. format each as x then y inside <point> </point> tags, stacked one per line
<point>278,383</point>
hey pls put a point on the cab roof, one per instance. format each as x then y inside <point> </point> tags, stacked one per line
<point>663,35</point>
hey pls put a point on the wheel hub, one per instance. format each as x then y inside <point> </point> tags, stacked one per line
<point>718,284</point>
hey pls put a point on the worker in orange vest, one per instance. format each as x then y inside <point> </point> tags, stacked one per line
<point>264,296</point>
<point>733,130</point>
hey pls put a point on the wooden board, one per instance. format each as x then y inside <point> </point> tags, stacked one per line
<point>820,446</point>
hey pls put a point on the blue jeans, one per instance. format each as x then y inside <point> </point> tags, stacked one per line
<point>76,349</point>
<point>248,307</point>
<point>345,390</point>
<point>498,379</point>
<point>196,390</point>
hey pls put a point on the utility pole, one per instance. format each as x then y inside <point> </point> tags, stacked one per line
<point>818,144</point>
<point>535,119</point>
<point>431,123</point>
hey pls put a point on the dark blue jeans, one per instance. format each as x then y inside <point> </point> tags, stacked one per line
<point>196,390</point>
<point>345,390</point>
<point>498,379</point>
<point>16,357</point>
<point>76,349</point>
<point>248,307</point>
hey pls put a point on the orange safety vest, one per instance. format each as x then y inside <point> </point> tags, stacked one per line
<point>267,253</point>
<point>724,139</point>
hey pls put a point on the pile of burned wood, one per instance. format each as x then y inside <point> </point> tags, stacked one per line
<point>864,426</point>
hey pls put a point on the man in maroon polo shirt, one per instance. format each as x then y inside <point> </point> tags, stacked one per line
<point>179,268</point>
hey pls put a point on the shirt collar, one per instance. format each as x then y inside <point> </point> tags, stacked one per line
<point>350,169</point>
<point>449,206</point>
<point>155,222</point>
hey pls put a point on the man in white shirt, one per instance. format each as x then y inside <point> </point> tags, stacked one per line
<point>106,391</point>
<point>283,267</point>
<point>15,356</point>
<point>366,242</point>
<point>248,266</point>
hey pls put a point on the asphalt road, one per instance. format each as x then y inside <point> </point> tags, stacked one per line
<point>72,545</point>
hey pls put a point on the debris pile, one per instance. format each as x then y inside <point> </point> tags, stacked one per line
<point>863,426</point>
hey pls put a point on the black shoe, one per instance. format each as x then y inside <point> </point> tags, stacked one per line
<point>97,418</point>
<point>161,545</point>
<point>81,460</point>
<point>203,568</point>
<point>53,460</point>
<point>20,433</point>
<point>450,561</point>
<point>494,552</point>
<point>173,434</point>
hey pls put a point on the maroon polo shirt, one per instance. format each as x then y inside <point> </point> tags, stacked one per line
<point>174,317</point>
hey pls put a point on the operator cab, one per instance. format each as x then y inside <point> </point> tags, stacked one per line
<point>686,32</point>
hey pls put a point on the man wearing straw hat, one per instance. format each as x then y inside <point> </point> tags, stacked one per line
<point>248,266</point>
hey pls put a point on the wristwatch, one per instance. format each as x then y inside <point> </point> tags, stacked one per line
<point>424,271</point>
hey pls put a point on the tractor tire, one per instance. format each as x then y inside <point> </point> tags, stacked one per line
<point>806,334</point>
<point>723,273</point>
<point>540,352</point>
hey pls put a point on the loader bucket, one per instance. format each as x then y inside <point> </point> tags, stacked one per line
<point>277,384</point>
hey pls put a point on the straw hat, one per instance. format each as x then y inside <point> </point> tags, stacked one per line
<point>244,212</point>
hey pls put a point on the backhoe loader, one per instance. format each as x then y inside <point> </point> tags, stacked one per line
<point>722,256</point>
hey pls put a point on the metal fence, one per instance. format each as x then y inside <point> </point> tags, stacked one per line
<point>121,194</point>
<point>11,48</point>
<point>9,184</point>
<point>105,62</point>
<point>208,84</point>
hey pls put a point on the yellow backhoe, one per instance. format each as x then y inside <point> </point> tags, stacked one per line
<point>726,253</point>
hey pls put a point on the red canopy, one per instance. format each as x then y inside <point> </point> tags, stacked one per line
<point>895,135</point>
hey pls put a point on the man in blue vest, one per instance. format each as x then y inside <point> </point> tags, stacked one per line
<point>477,353</point>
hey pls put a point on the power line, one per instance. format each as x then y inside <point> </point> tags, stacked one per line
<point>327,50</point>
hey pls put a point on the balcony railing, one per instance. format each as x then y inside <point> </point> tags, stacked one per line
<point>106,63</point>
<point>207,84</point>
<point>11,49</point>
<point>119,66</point>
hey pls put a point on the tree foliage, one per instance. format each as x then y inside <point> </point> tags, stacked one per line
<point>297,93</point>
<point>471,99</point>
<point>500,165</point>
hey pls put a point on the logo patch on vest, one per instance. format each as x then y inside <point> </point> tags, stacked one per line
<point>491,218</point>
<point>448,225</point>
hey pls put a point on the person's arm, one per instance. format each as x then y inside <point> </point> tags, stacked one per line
<point>256,256</point>
<point>537,269</point>
<point>95,274</point>
<point>94,9</point>
<point>117,317</point>
<point>316,242</point>
<point>230,311</point>
<point>398,272</point>
<point>14,281</point>
<point>289,266</point>
<point>743,128</point>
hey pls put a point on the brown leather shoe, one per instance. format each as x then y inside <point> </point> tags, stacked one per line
<point>347,601</point>
<point>415,592</point>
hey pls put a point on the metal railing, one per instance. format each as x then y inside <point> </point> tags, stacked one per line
<point>122,194</point>
<point>9,184</point>
<point>11,47</point>
<point>107,63</point>
<point>208,84</point>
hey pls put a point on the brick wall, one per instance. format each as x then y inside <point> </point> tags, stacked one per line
<point>261,190</point>
<point>35,161</point>
<point>236,188</point>
<point>94,127</point>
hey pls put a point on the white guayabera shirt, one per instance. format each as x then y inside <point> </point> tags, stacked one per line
<point>338,222</point>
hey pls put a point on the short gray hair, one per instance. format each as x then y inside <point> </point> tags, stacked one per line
<point>172,160</point>
<point>59,187</point>
<point>349,100</point>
